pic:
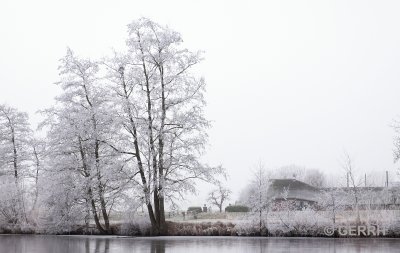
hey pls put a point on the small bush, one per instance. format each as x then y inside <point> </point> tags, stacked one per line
<point>201,229</point>
<point>194,209</point>
<point>135,225</point>
<point>135,229</point>
<point>233,209</point>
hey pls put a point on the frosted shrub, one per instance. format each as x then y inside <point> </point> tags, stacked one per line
<point>13,209</point>
<point>135,224</point>
<point>246,228</point>
<point>304,222</point>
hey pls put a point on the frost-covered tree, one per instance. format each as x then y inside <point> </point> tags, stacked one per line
<point>79,127</point>
<point>333,201</point>
<point>353,184</point>
<point>290,172</point>
<point>315,178</point>
<point>38,155</point>
<point>160,104</point>
<point>257,196</point>
<point>219,196</point>
<point>396,140</point>
<point>15,136</point>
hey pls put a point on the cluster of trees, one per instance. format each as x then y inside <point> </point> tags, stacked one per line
<point>126,130</point>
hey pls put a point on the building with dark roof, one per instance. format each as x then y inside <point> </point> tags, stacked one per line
<point>294,194</point>
<point>291,193</point>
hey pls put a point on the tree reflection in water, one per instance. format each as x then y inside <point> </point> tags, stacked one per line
<point>100,246</point>
<point>104,244</point>
<point>158,247</point>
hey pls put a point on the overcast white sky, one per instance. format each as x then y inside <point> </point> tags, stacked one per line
<point>289,82</point>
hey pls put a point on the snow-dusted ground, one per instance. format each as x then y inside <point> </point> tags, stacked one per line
<point>341,217</point>
<point>299,223</point>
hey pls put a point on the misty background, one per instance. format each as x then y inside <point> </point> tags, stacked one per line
<point>288,82</point>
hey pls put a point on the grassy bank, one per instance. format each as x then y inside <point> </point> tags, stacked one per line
<point>306,223</point>
<point>203,229</point>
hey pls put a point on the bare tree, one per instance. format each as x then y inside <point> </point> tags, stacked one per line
<point>333,200</point>
<point>257,196</point>
<point>219,196</point>
<point>292,171</point>
<point>160,103</point>
<point>352,183</point>
<point>14,139</point>
<point>14,157</point>
<point>396,140</point>
<point>79,126</point>
<point>38,153</point>
<point>315,178</point>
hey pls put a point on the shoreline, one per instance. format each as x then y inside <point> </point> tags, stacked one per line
<point>100,236</point>
<point>204,233</point>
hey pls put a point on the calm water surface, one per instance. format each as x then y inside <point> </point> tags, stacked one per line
<point>99,244</point>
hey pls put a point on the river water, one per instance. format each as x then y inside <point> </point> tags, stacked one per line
<point>103,244</point>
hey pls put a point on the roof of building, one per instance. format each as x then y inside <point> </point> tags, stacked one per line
<point>292,189</point>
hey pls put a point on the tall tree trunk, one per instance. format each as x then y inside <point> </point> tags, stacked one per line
<point>103,205</point>
<point>86,172</point>
<point>97,161</point>
<point>37,164</point>
<point>153,154</point>
<point>20,196</point>
<point>101,189</point>
<point>134,134</point>
<point>94,212</point>
<point>161,180</point>
<point>87,217</point>
<point>15,156</point>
